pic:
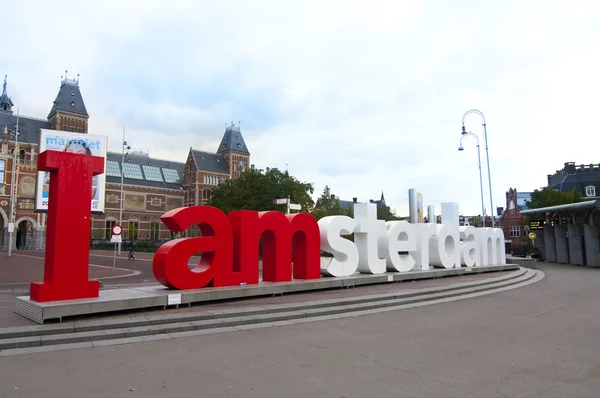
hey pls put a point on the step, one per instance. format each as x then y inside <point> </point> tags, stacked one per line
<point>136,321</point>
<point>116,331</point>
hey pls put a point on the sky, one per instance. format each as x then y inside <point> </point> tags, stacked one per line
<point>362,96</point>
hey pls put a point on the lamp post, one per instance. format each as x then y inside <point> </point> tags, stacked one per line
<point>123,147</point>
<point>461,148</point>
<point>13,191</point>
<point>487,155</point>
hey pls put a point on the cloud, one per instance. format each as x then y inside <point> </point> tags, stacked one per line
<point>355,95</point>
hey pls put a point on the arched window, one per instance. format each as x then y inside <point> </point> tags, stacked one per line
<point>154,228</point>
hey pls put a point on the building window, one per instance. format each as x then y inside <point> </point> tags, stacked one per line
<point>154,229</point>
<point>590,190</point>
<point>515,231</point>
<point>2,168</point>
<point>133,230</point>
<point>108,226</point>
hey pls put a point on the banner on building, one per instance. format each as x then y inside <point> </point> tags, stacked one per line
<point>84,144</point>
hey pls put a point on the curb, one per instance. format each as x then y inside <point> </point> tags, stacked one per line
<point>45,338</point>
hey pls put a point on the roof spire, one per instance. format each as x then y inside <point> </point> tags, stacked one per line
<point>6,103</point>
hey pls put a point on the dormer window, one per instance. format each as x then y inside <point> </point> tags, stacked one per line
<point>590,190</point>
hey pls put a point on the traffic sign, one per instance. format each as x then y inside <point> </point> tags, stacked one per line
<point>294,206</point>
<point>280,201</point>
<point>116,239</point>
<point>532,235</point>
<point>117,229</point>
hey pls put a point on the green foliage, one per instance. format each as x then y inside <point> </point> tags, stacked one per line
<point>552,197</point>
<point>329,205</point>
<point>255,190</point>
<point>386,214</point>
<point>476,222</point>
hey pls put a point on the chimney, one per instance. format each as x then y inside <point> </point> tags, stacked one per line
<point>354,200</point>
<point>332,197</point>
<point>268,169</point>
<point>251,167</point>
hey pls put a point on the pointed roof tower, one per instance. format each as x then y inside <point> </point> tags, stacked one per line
<point>69,98</point>
<point>233,141</point>
<point>6,103</point>
<point>382,200</point>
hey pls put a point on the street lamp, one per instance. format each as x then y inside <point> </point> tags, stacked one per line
<point>487,155</point>
<point>461,148</point>
<point>123,147</point>
<point>13,191</point>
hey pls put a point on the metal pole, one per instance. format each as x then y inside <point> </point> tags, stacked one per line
<point>288,204</point>
<point>480,183</point>
<point>13,192</point>
<point>489,174</point>
<point>486,154</point>
<point>121,195</point>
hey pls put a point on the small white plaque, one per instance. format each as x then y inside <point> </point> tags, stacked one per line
<point>294,206</point>
<point>390,278</point>
<point>173,299</point>
<point>115,239</point>
<point>11,227</point>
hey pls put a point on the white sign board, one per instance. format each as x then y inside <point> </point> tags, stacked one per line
<point>173,299</point>
<point>294,206</point>
<point>84,144</point>
<point>116,239</point>
<point>281,201</point>
<point>11,227</point>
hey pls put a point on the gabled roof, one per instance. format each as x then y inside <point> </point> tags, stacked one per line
<point>28,127</point>
<point>69,99</point>
<point>142,159</point>
<point>211,162</point>
<point>233,141</point>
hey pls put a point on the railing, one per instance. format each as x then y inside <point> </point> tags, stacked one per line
<point>27,162</point>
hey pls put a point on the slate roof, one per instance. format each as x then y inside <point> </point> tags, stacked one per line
<point>233,141</point>
<point>579,181</point>
<point>28,127</point>
<point>145,159</point>
<point>211,162</point>
<point>69,99</point>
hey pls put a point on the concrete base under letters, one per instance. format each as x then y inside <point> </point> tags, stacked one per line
<point>146,297</point>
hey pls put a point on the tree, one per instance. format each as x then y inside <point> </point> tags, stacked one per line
<point>255,190</point>
<point>386,213</point>
<point>329,205</point>
<point>476,221</point>
<point>552,197</point>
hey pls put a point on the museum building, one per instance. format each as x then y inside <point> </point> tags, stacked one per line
<point>149,186</point>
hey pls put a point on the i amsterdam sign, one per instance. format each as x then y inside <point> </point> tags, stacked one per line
<point>230,243</point>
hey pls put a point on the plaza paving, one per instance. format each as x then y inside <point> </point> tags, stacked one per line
<point>537,341</point>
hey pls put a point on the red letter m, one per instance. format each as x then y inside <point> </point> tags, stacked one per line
<point>281,234</point>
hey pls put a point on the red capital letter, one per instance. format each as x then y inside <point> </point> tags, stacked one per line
<point>279,231</point>
<point>68,229</point>
<point>170,264</point>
